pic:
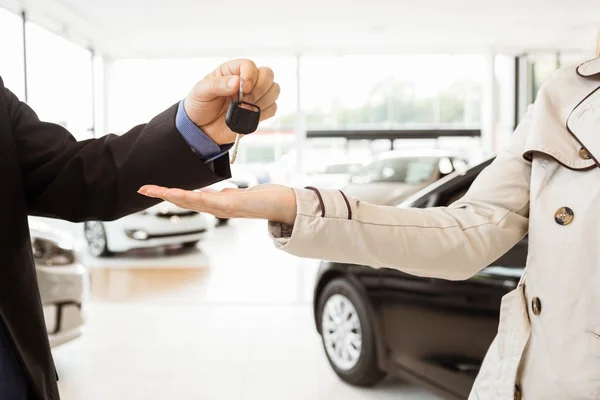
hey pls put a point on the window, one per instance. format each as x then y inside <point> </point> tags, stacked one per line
<point>543,65</point>
<point>391,92</point>
<point>165,82</point>
<point>260,154</point>
<point>140,89</point>
<point>456,194</point>
<point>343,169</point>
<point>410,170</point>
<point>60,81</point>
<point>285,69</point>
<point>11,56</point>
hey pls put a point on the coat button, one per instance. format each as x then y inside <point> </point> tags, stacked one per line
<point>517,393</point>
<point>583,153</point>
<point>536,306</point>
<point>564,216</point>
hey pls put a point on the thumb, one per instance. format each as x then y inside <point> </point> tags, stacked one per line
<point>212,87</point>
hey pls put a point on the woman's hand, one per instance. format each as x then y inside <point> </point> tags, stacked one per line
<point>271,202</point>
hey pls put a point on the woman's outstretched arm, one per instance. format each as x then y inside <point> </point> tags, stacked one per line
<point>452,242</point>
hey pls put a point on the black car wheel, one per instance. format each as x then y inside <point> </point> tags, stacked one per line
<point>347,334</point>
<point>95,236</point>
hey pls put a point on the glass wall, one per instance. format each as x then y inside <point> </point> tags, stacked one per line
<point>392,92</point>
<point>350,92</point>
<point>11,54</point>
<point>60,81</point>
<point>543,65</point>
<point>59,74</point>
<point>139,89</point>
<point>353,92</point>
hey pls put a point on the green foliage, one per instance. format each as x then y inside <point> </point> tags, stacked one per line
<point>397,106</point>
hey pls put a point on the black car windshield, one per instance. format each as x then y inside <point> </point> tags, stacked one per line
<point>411,170</point>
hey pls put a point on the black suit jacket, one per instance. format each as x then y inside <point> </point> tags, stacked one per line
<point>44,171</point>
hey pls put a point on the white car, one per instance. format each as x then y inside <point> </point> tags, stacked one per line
<point>394,175</point>
<point>63,281</point>
<point>164,224</point>
<point>329,176</point>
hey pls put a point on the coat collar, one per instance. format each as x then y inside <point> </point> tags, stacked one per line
<point>567,117</point>
<point>589,68</point>
<point>584,120</point>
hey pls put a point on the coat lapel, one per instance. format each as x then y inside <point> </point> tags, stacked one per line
<point>589,69</point>
<point>584,121</point>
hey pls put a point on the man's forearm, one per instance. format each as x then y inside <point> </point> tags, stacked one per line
<point>99,178</point>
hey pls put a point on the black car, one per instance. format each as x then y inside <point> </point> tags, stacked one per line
<point>431,332</point>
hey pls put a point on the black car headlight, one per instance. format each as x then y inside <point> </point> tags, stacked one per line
<point>48,253</point>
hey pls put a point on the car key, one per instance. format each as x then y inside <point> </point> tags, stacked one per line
<point>242,118</point>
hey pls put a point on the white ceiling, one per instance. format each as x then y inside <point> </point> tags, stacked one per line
<point>172,28</point>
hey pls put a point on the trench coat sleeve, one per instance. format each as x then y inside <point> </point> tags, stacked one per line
<point>99,178</point>
<point>452,242</point>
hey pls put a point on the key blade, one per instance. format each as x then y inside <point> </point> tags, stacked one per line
<point>235,149</point>
<point>241,93</point>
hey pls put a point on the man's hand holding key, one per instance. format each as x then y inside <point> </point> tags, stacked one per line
<point>208,102</point>
<point>207,105</point>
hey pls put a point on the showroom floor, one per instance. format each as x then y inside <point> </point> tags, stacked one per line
<point>230,321</point>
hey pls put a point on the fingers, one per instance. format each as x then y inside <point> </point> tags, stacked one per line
<point>270,97</point>
<point>179,197</point>
<point>245,68</point>
<point>264,83</point>
<point>152,191</point>
<point>228,190</point>
<point>212,203</point>
<point>269,112</point>
<point>271,202</point>
<point>213,86</point>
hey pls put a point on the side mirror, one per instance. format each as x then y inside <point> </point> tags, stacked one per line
<point>445,166</point>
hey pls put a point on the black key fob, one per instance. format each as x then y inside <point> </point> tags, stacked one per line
<point>242,117</point>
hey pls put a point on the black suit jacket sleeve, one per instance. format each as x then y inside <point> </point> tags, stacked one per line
<point>99,178</point>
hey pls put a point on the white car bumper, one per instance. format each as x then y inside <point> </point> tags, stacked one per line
<point>64,291</point>
<point>161,225</point>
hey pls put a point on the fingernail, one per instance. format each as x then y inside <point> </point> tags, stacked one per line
<point>142,191</point>
<point>231,83</point>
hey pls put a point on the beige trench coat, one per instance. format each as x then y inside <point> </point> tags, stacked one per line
<point>546,183</point>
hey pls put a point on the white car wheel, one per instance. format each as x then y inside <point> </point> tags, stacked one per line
<point>347,332</point>
<point>95,236</point>
<point>341,332</point>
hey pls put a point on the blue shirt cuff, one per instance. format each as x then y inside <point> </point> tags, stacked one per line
<point>199,141</point>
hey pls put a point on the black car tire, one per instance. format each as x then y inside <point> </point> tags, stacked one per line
<point>366,372</point>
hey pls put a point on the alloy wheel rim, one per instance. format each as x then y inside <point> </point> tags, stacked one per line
<point>95,237</point>
<point>341,330</point>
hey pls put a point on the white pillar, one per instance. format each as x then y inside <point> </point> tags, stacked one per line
<point>99,96</point>
<point>107,67</point>
<point>300,122</point>
<point>488,105</point>
<point>525,89</point>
